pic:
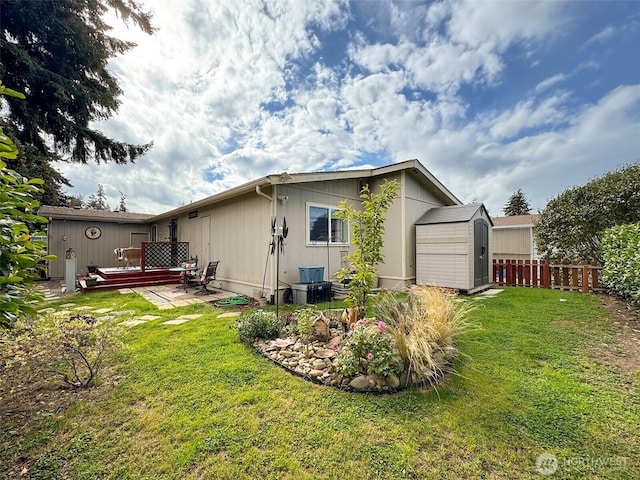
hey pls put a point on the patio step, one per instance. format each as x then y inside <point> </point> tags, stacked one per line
<point>129,279</point>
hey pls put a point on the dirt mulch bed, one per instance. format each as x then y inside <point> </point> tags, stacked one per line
<point>624,321</point>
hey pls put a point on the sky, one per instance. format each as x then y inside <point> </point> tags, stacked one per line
<point>490,96</point>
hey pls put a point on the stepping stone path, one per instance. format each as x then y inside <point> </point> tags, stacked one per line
<point>182,319</point>
<point>229,314</point>
<point>148,317</point>
<point>492,292</point>
<point>103,310</point>
<point>132,323</point>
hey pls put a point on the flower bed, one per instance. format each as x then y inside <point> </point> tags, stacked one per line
<point>410,342</point>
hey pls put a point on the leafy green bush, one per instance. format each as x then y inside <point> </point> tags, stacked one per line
<point>76,348</point>
<point>423,327</point>
<point>259,324</point>
<point>572,223</point>
<point>621,252</point>
<point>20,255</point>
<point>368,350</point>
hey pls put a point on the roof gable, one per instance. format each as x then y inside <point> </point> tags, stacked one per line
<point>285,178</point>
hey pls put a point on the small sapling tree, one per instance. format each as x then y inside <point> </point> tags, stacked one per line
<point>367,226</point>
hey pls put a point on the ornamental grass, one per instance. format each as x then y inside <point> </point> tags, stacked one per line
<point>424,326</point>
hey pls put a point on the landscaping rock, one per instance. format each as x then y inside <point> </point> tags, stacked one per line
<point>316,373</point>
<point>360,382</point>
<point>319,364</point>
<point>393,382</point>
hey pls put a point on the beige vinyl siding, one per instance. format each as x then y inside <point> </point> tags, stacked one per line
<point>417,201</point>
<point>512,243</point>
<point>298,251</point>
<point>237,233</point>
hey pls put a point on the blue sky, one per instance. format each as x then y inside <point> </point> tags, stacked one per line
<point>490,96</point>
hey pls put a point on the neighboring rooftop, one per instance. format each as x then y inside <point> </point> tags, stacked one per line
<point>515,221</point>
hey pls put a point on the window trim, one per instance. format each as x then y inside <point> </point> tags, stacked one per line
<point>323,243</point>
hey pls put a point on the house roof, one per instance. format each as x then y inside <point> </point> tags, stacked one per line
<point>515,221</point>
<point>412,166</point>
<point>451,214</point>
<point>52,212</point>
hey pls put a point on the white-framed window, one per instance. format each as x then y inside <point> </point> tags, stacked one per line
<point>324,227</point>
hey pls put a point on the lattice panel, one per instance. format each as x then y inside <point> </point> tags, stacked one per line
<point>165,254</point>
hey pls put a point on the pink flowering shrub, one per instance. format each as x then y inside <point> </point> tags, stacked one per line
<point>368,350</point>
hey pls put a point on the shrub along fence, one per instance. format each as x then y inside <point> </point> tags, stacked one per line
<point>564,275</point>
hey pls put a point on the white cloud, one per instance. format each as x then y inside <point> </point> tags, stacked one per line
<point>603,36</point>
<point>549,82</point>
<point>231,91</point>
<point>528,114</point>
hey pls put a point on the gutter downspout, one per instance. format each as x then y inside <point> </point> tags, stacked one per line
<point>262,194</point>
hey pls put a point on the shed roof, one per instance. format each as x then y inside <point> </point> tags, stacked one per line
<point>67,213</point>
<point>452,214</point>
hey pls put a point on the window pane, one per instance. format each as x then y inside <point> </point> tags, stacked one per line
<point>339,232</point>
<point>318,224</point>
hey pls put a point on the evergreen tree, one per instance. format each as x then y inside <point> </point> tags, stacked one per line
<point>57,53</point>
<point>73,201</point>
<point>517,205</point>
<point>98,201</point>
<point>122,207</point>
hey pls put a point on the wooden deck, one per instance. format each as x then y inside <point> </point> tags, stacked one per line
<point>112,278</point>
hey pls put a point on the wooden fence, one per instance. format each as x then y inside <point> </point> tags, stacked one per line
<point>543,274</point>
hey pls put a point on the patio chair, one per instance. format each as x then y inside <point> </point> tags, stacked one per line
<point>208,275</point>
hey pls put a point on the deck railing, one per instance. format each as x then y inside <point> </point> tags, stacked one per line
<point>543,274</point>
<point>163,254</point>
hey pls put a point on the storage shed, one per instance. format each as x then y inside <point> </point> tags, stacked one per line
<point>452,247</point>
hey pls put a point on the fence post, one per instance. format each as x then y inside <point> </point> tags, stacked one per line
<point>585,279</point>
<point>546,274</point>
<point>594,277</point>
<point>509,279</point>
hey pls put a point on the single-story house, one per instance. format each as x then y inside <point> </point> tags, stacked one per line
<point>513,238</point>
<point>235,226</point>
<point>93,235</point>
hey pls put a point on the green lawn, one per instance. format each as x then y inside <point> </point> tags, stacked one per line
<point>193,402</point>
